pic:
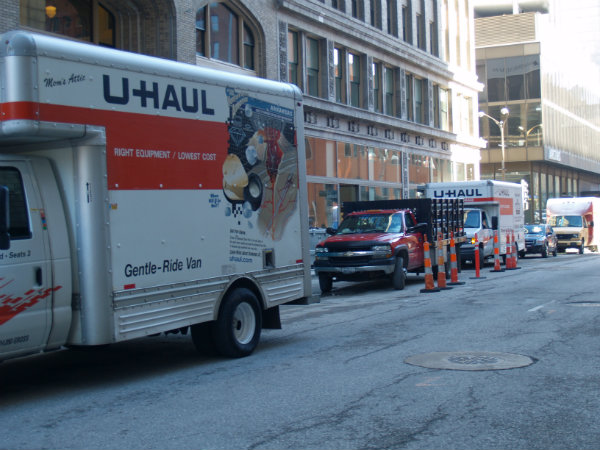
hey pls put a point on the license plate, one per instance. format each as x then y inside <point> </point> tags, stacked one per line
<point>348,270</point>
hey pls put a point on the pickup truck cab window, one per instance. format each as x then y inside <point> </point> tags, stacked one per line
<point>371,223</point>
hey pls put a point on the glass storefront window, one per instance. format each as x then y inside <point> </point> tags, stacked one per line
<point>323,208</point>
<point>384,165</point>
<point>352,161</point>
<point>441,170</point>
<point>418,169</point>
<point>321,157</point>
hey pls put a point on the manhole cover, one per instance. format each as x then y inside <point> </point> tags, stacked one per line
<point>469,360</point>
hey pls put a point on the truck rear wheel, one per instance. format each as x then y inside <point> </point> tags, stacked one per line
<point>325,283</point>
<point>236,331</point>
<point>399,276</point>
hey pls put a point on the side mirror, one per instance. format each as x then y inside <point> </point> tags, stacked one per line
<point>418,227</point>
<point>330,230</point>
<point>4,219</point>
<point>494,222</point>
<point>591,224</point>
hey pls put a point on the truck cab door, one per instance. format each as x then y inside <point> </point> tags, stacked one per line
<point>414,242</point>
<point>25,268</point>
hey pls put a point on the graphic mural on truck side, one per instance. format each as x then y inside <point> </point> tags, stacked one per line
<point>260,174</point>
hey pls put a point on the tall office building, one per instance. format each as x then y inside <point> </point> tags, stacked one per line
<point>540,63</point>
<point>390,89</point>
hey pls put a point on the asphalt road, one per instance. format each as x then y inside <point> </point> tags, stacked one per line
<point>336,376</point>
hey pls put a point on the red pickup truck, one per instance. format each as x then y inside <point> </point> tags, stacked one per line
<point>385,238</point>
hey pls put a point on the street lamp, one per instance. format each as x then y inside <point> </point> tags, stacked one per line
<point>504,112</point>
<point>526,133</point>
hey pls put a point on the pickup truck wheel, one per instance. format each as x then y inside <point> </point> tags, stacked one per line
<point>582,247</point>
<point>237,330</point>
<point>399,276</point>
<point>325,283</point>
<point>545,251</point>
<point>203,339</point>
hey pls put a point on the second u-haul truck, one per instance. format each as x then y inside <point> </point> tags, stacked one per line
<point>140,195</point>
<point>573,220</point>
<point>489,206</point>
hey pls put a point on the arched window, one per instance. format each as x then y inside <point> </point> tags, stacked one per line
<point>87,20</point>
<point>222,34</point>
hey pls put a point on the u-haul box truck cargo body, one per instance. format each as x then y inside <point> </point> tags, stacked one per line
<point>489,206</point>
<point>140,195</point>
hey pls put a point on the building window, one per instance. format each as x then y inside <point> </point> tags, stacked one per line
<point>340,5</point>
<point>436,106</point>
<point>248,49</point>
<point>420,104</point>
<point>375,9</point>
<point>358,9</point>
<point>515,79</point>
<point>421,32</point>
<point>388,90</point>
<point>355,79</point>
<point>201,32</point>
<point>377,94</point>
<point>406,25</point>
<point>293,58</point>
<point>312,66</point>
<point>496,80</point>
<point>444,109</point>
<point>532,76</point>
<point>222,34</point>
<point>392,17</point>
<point>338,64</point>
<point>73,18</point>
<point>433,39</point>
<point>409,97</point>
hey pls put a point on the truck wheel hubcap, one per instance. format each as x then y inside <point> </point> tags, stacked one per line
<point>243,323</point>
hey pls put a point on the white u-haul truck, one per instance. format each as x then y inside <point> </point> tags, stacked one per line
<point>140,195</point>
<point>573,220</point>
<point>489,206</point>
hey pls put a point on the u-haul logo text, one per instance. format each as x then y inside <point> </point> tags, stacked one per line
<point>154,96</point>
<point>456,193</point>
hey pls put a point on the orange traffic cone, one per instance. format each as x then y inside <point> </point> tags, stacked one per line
<point>476,257</point>
<point>441,266</point>
<point>453,263</point>
<point>515,257</point>
<point>496,254</point>
<point>509,260</point>
<point>429,284</point>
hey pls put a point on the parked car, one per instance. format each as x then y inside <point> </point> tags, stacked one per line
<point>540,238</point>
